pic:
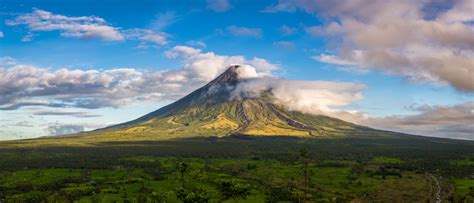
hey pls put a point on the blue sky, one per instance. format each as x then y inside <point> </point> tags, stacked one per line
<point>403,77</point>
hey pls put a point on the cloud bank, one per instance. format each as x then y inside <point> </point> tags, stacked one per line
<point>28,85</point>
<point>419,40</point>
<point>62,129</point>
<point>315,97</point>
<point>58,128</point>
<point>438,121</point>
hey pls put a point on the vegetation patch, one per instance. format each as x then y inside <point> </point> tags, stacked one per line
<point>386,160</point>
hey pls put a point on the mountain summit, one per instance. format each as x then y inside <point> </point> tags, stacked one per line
<point>216,110</point>
<point>229,77</point>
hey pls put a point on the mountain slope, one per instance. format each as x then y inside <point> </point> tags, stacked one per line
<point>216,110</point>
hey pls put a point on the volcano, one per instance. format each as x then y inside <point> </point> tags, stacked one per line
<point>216,110</point>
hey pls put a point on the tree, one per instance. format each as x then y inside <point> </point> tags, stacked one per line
<point>304,154</point>
<point>158,197</point>
<point>231,189</point>
<point>141,197</point>
<point>198,195</point>
<point>182,169</point>
<point>278,194</point>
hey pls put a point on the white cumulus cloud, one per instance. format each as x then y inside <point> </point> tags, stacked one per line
<point>29,85</point>
<point>315,97</point>
<point>415,39</point>
<point>205,66</point>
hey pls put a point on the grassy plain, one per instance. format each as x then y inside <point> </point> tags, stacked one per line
<point>239,169</point>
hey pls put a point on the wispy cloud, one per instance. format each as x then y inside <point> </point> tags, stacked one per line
<point>198,44</point>
<point>88,27</point>
<point>245,31</point>
<point>147,36</point>
<point>75,27</point>
<point>78,114</point>
<point>284,44</point>
<point>287,31</point>
<point>28,37</point>
<point>20,104</point>
<point>163,20</point>
<point>219,5</point>
<point>333,59</point>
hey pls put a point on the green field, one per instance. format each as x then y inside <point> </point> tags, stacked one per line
<point>240,169</point>
<point>328,183</point>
